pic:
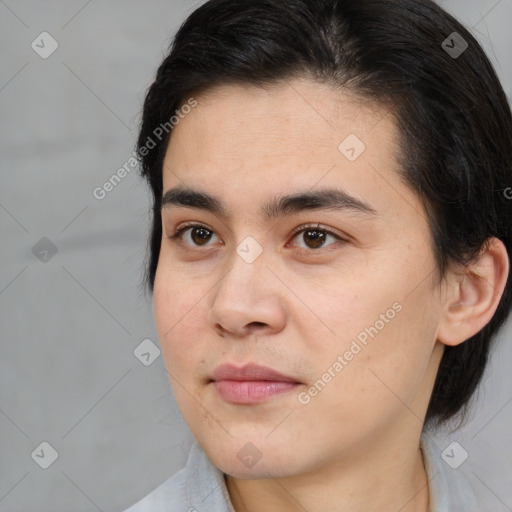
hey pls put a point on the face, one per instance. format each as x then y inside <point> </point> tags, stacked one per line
<point>336,292</point>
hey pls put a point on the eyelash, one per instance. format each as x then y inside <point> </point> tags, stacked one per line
<point>315,227</point>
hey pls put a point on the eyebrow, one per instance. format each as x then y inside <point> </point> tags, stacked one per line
<point>323,199</point>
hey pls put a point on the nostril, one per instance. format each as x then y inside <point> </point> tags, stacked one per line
<point>257,324</point>
<point>220,330</point>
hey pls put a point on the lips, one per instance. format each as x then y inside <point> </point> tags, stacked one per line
<point>250,384</point>
<point>249,372</point>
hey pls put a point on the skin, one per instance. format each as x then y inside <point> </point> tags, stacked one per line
<point>297,307</point>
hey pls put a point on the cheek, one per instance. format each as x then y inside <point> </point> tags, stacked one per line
<point>179,317</point>
<point>385,333</point>
<point>390,367</point>
<point>378,382</point>
<point>347,309</point>
<point>180,312</point>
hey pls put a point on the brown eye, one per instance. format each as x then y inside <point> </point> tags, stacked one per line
<point>200,235</point>
<point>196,234</point>
<point>315,237</point>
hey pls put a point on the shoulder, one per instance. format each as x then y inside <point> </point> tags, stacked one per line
<point>449,488</point>
<point>198,487</point>
<point>169,496</point>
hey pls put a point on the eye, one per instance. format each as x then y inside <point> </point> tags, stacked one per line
<point>199,235</point>
<point>314,237</point>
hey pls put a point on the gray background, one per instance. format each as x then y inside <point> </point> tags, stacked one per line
<point>70,321</point>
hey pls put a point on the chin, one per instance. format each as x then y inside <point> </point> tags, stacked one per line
<point>261,469</point>
<point>252,460</point>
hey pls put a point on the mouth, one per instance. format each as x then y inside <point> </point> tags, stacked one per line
<point>250,384</point>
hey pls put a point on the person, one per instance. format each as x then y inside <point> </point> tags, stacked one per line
<point>329,253</point>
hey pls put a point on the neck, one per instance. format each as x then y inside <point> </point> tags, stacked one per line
<point>384,476</point>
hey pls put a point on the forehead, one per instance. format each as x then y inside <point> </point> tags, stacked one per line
<point>247,143</point>
<point>278,119</point>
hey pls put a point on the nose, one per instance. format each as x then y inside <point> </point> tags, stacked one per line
<point>247,300</point>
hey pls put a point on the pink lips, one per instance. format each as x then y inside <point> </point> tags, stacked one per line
<point>251,383</point>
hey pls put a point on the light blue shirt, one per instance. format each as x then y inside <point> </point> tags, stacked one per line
<point>200,486</point>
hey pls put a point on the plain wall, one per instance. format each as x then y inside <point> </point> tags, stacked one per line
<point>70,321</point>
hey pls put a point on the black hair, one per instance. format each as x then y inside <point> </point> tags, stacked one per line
<point>454,120</point>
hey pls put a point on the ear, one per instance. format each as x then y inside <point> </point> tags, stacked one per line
<point>473,296</point>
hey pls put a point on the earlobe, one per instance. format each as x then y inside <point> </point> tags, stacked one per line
<point>473,300</point>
